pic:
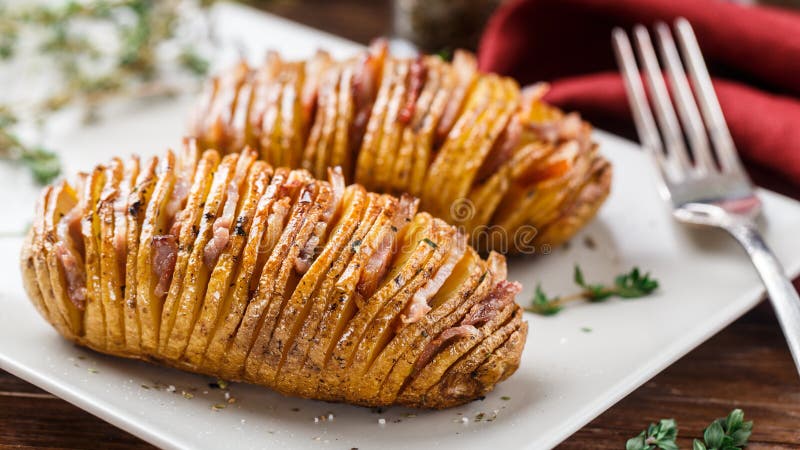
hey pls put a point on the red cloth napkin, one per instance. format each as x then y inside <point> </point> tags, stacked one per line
<point>752,52</point>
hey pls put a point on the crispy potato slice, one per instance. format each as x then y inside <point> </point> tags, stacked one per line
<point>477,139</point>
<point>319,329</point>
<point>119,244</point>
<point>465,69</point>
<point>341,304</point>
<point>499,113</point>
<point>464,133</point>
<point>156,223</point>
<point>582,208</point>
<point>372,137</point>
<point>94,317</point>
<point>110,279</point>
<point>292,121</point>
<point>439,319</point>
<point>458,385</point>
<point>416,254</point>
<point>218,121</point>
<point>271,124</point>
<point>308,300</point>
<point>271,281</point>
<point>314,71</point>
<point>263,95</point>
<point>386,314</point>
<point>64,259</point>
<point>137,205</point>
<point>386,151</point>
<point>198,119</point>
<point>222,276</point>
<point>187,229</point>
<point>227,181</point>
<point>424,145</point>
<point>40,264</point>
<point>271,211</point>
<point>328,105</point>
<point>240,126</point>
<point>432,372</point>
<point>464,279</point>
<point>341,154</point>
<point>416,133</point>
<point>504,361</point>
<point>538,203</point>
<point>264,357</point>
<point>29,280</point>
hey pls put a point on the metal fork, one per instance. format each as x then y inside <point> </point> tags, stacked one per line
<point>709,186</point>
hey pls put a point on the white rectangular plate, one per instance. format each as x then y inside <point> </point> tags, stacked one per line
<point>575,365</point>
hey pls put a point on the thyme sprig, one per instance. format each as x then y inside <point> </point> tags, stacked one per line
<point>87,71</point>
<point>629,285</point>
<point>43,164</point>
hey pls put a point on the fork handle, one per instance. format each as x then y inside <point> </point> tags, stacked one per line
<point>779,288</point>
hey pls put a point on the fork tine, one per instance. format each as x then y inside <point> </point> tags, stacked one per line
<point>642,115</point>
<point>687,107</point>
<point>665,113</point>
<point>709,105</point>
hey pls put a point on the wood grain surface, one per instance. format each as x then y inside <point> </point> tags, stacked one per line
<point>747,365</point>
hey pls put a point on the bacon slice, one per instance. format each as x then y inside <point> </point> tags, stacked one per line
<point>378,262</point>
<point>165,253</point>
<point>501,295</point>
<point>418,306</point>
<point>67,228</point>
<point>221,228</point>
<point>309,251</point>
<point>417,75</point>
<point>465,66</point>
<point>445,337</point>
<point>314,72</point>
<point>365,87</point>
<point>121,209</point>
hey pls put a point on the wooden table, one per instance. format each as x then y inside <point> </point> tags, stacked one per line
<point>747,365</point>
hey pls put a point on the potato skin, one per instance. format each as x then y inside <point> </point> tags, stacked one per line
<point>269,276</point>
<point>514,173</point>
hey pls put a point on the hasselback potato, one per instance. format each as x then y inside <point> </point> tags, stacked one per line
<point>513,172</point>
<point>229,267</point>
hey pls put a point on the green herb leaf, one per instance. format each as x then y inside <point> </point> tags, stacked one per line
<point>637,443</point>
<point>657,436</point>
<point>543,305</point>
<point>627,285</point>
<point>44,164</point>
<point>634,284</point>
<point>727,433</point>
<point>713,435</point>
<point>193,62</point>
<point>592,292</point>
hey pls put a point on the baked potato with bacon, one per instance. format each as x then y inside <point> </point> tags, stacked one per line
<point>513,172</point>
<point>229,267</point>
